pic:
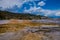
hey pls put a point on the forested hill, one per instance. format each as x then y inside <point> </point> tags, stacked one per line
<point>25,16</point>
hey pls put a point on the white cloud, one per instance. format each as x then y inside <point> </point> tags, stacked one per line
<point>42,3</point>
<point>4,4</point>
<point>32,9</point>
<point>10,3</point>
<point>31,0</point>
<point>48,12</point>
<point>35,9</point>
<point>57,13</point>
<point>40,10</point>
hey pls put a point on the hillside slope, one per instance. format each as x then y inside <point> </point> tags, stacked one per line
<point>10,15</point>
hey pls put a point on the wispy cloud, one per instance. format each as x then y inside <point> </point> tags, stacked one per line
<point>32,9</point>
<point>35,9</point>
<point>40,10</point>
<point>42,3</point>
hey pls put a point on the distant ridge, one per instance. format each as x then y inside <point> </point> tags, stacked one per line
<point>25,16</point>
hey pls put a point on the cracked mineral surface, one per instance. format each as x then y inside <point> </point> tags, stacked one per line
<point>32,33</point>
<point>29,30</point>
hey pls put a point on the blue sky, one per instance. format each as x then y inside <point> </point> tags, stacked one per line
<point>50,8</point>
